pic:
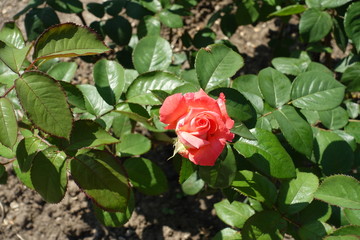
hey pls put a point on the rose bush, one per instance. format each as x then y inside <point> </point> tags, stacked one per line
<point>201,124</point>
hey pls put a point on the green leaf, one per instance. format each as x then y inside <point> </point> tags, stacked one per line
<point>66,6</point>
<point>264,225</point>
<point>193,184</point>
<point>170,18</point>
<point>26,151</point>
<point>234,214</point>
<point>351,78</point>
<point>352,24</point>
<point>187,168</point>
<point>290,66</point>
<point>6,152</point>
<point>267,154</point>
<point>274,86</point>
<point>24,177</point>
<point>316,91</point>
<point>256,186</point>
<point>87,133</point>
<point>247,12</point>
<point>63,71</point>
<point>94,103</point>
<point>114,7</point>
<point>119,30</point>
<point>121,125</point>
<point>13,57</point>
<point>353,109</point>
<point>315,211</point>
<point>227,234</point>
<point>133,144</point>
<point>115,219</point>
<point>296,194</point>
<point>38,20</point>
<point>74,95</point>
<point>223,172</point>
<point>97,9</point>
<point>237,106</point>
<point>152,53</point>
<point>49,174</point>
<point>315,24</point>
<point>8,123</point>
<point>67,40</point>
<point>140,90</point>
<point>339,33</point>
<point>314,230</point>
<point>147,177</point>
<point>102,178</point>
<point>11,35</point>
<point>153,5</point>
<point>7,76</point>
<point>326,3</point>
<point>45,103</point>
<point>353,128</point>
<point>333,153</point>
<point>335,118</point>
<point>216,63</point>
<point>148,26</point>
<point>109,77</point>
<point>346,195</point>
<point>352,215</point>
<point>289,10</point>
<point>248,85</point>
<point>295,129</point>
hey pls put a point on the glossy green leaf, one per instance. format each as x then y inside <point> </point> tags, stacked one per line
<point>315,66</point>
<point>119,30</point>
<point>326,3</point>
<point>67,40</point>
<point>121,125</point>
<point>352,24</point>
<point>290,66</point>
<point>66,6</point>
<point>315,211</point>
<point>114,7</point>
<point>187,169</point>
<point>333,153</point>
<point>153,5</point>
<point>316,91</point>
<point>13,57</point>
<point>7,76</point>
<point>109,77</point>
<point>347,194</point>
<point>8,123</point>
<point>223,172</point>
<point>193,184</point>
<point>146,176</point>
<point>97,9</point>
<point>170,18</point>
<point>74,95</point>
<point>315,24</point>
<point>227,24</point>
<point>247,12</point>
<point>87,133</point>
<point>295,129</point>
<point>314,230</point>
<point>274,86</point>
<point>216,63</point>
<point>26,151</point>
<point>296,194</point>
<point>24,177</point>
<point>152,53</point>
<point>248,85</point>
<point>351,77</point>
<point>94,103</point>
<point>234,214</point>
<point>45,103</point>
<point>267,154</point>
<point>11,35</point>
<point>335,118</point>
<point>264,225</point>
<point>63,71</point>
<point>37,20</point>
<point>289,10</point>
<point>256,186</point>
<point>227,234</point>
<point>102,178</point>
<point>149,26</point>
<point>6,152</point>
<point>133,144</point>
<point>353,128</point>
<point>115,219</point>
<point>49,174</point>
<point>140,90</point>
<point>353,216</point>
<point>339,33</point>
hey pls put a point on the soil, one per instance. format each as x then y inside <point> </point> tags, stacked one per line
<point>173,215</point>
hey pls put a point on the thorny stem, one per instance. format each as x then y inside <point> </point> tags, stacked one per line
<point>82,18</point>
<point>9,161</point>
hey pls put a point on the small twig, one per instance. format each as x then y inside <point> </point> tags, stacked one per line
<point>10,161</point>
<point>8,91</point>
<point>2,213</point>
<point>20,237</point>
<point>82,18</point>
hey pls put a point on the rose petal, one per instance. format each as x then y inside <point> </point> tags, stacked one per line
<point>229,123</point>
<point>172,109</point>
<point>208,154</point>
<point>191,141</point>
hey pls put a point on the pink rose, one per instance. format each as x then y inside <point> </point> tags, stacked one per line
<point>201,123</point>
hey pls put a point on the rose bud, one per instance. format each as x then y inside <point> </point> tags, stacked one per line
<point>201,124</point>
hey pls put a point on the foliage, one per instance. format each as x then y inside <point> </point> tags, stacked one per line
<point>294,163</point>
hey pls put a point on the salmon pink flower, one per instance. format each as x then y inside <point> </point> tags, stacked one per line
<point>201,124</point>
